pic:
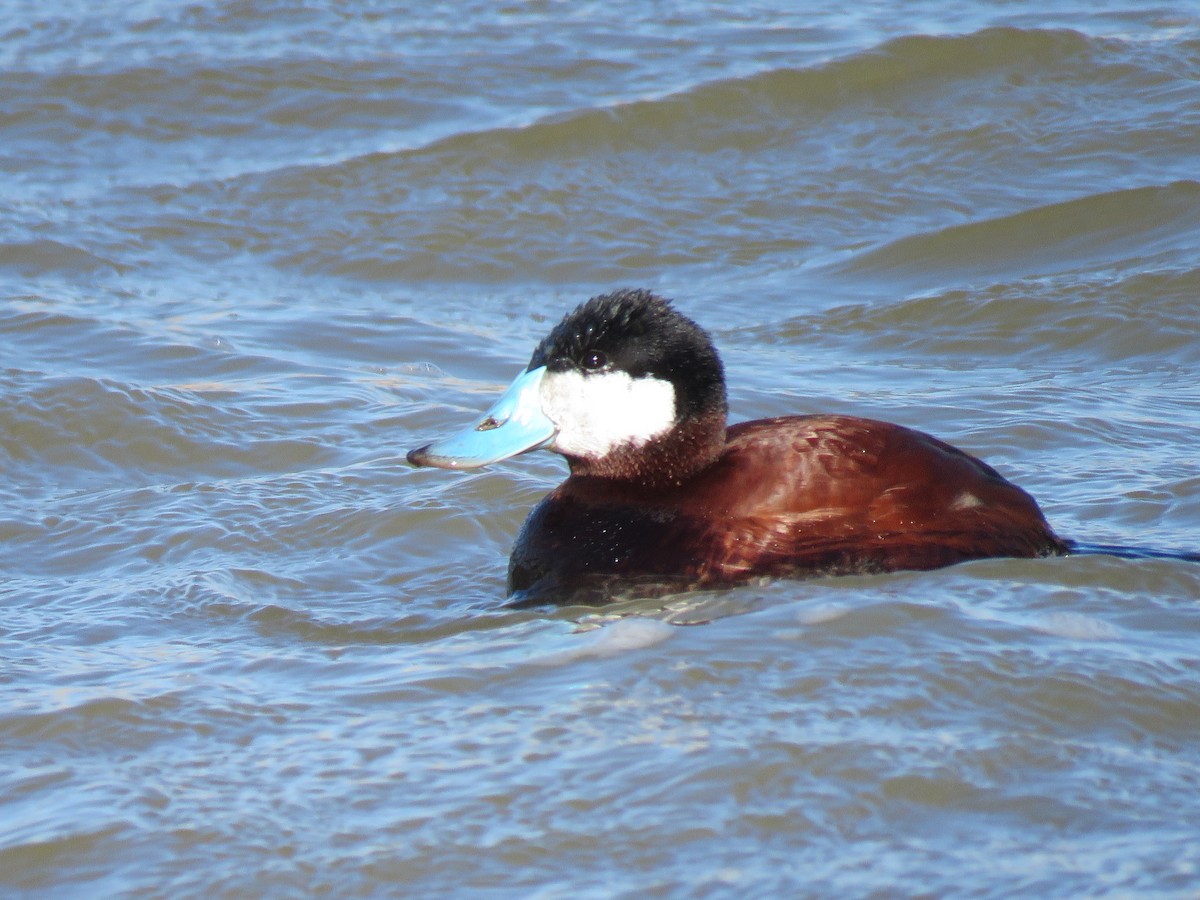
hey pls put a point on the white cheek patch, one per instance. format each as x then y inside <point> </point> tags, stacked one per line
<point>595,414</point>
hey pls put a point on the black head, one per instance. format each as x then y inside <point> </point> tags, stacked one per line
<point>624,387</point>
<point>639,333</point>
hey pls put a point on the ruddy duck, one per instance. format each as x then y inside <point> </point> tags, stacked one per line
<point>663,496</point>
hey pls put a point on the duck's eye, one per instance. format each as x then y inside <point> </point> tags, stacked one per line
<point>594,359</point>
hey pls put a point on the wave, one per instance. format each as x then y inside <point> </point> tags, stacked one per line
<point>704,116</point>
<point>1085,323</point>
<point>779,166</point>
<point>707,116</point>
<point>86,430</point>
<point>46,257</point>
<point>1047,239</point>
<point>782,166</point>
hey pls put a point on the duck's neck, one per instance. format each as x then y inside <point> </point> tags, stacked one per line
<point>688,448</point>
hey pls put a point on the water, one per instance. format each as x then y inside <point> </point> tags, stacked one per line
<point>250,254</point>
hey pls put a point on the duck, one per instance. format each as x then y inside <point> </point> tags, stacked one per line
<point>664,496</point>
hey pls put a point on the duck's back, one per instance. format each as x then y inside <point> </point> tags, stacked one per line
<point>789,496</point>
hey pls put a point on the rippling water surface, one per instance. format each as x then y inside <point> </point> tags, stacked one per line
<point>251,253</point>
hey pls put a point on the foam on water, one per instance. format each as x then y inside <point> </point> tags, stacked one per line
<point>613,639</point>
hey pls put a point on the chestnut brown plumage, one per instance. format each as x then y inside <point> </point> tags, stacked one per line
<point>802,495</point>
